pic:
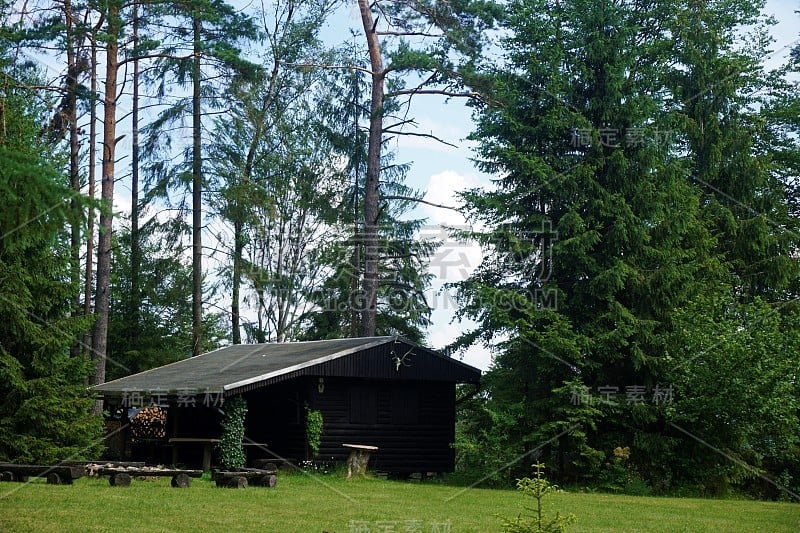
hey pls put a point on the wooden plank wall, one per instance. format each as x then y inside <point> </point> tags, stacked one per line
<point>414,424</point>
<point>276,416</point>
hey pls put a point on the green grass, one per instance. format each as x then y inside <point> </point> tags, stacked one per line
<point>333,504</point>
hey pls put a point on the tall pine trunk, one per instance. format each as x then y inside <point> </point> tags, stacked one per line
<point>238,249</point>
<point>239,215</point>
<point>100,338</point>
<point>197,197</point>
<point>136,256</point>
<point>371,189</point>
<point>89,275</point>
<point>71,109</point>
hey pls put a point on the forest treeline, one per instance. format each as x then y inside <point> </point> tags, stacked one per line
<point>640,270</point>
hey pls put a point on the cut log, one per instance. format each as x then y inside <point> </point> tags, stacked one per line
<point>181,481</point>
<point>269,480</point>
<point>270,465</point>
<point>238,482</point>
<point>274,464</point>
<point>120,480</point>
<point>106,464</point>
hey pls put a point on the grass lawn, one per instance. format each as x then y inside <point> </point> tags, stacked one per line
<point>333,504</point>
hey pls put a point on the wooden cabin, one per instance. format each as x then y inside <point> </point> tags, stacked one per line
<point>377,391</point>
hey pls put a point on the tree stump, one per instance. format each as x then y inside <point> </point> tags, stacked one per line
<point>181,481</point>
<point>120,480</point>
<point>238,482</point>
<point>53,479</point>
<point>270,480</point>
<point>358,459</point>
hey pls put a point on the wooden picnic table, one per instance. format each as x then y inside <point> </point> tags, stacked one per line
<point>359,458</point>
<point>205,442</point>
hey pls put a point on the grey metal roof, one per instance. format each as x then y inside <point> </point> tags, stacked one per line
<point>244,366</point>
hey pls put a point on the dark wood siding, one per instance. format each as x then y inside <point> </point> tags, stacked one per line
<point>276,417</point>
<point>414,422</point>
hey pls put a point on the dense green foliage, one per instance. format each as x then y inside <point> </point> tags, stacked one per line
<point>313,431</point>
<point>640,213</point>
<point>403,278</point>
<point>44,408</point>
<point>231,451</point>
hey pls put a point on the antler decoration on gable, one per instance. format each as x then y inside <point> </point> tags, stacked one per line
<point>400,360</point>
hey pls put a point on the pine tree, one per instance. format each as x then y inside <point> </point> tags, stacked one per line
<point>201,48</point>
<point>402,277</point>
<point>162,331</point>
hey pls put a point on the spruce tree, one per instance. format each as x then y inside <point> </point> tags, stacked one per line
<point>44,409</point>
<point>642,157</point>
<point>594,233</point>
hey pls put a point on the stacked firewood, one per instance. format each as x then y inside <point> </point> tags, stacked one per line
<point>149,423</point>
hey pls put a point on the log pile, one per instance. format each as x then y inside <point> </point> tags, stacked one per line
<point>149,423</point>
<point>93,469</point>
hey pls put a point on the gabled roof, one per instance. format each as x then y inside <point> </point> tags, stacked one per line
<point>238,368</point>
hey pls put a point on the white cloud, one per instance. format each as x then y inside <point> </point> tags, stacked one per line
<point>442,335</point>
<point>452,262</point>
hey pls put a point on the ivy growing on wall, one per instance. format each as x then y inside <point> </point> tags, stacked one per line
<point>231,451</point>
<point>313,430</point>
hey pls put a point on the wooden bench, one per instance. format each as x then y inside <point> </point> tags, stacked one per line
<point>121,477</point>
<point>241,478</point>
<point>56,474</point>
